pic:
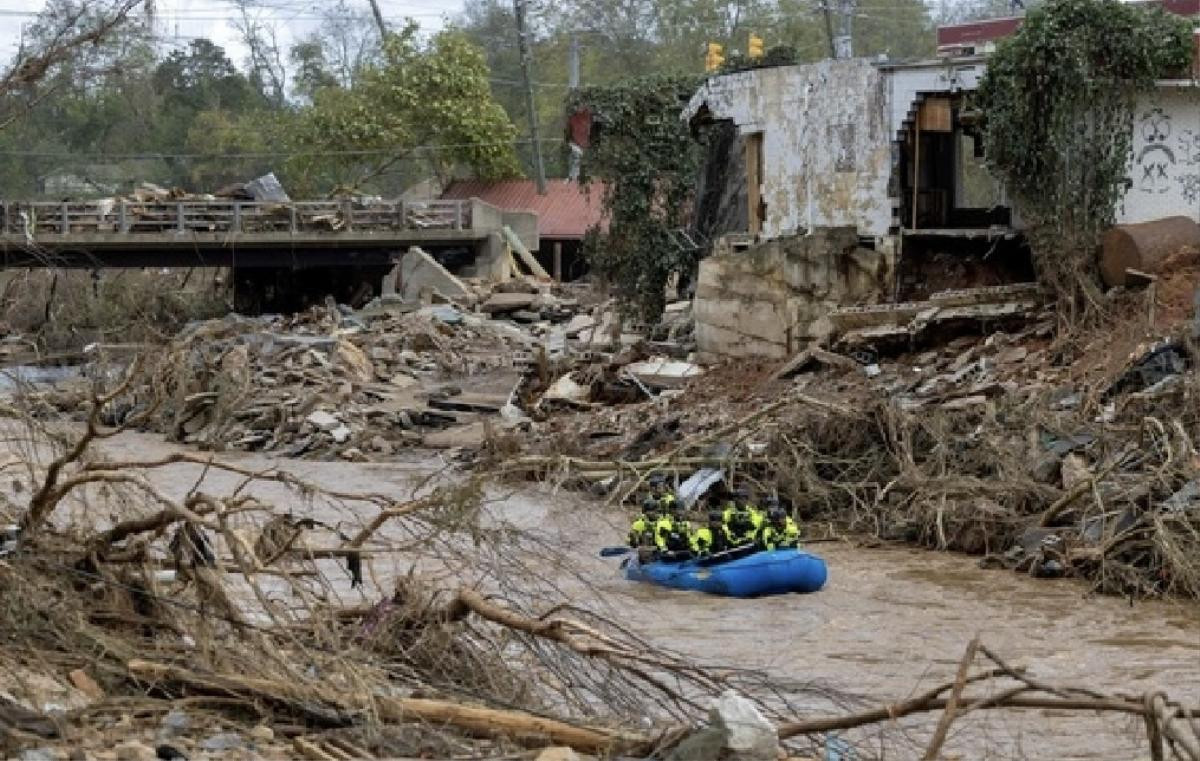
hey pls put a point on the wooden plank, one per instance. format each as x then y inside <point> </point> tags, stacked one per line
<point>935,115</point>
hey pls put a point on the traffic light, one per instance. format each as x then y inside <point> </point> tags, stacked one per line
<point>754,49</point>
<point>715,57</point>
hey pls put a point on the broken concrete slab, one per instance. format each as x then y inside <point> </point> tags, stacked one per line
<point>578,324</point>
<point>664,373</point>
<point>468,435</point>
<point>323,420</point>
<point>811,357</point>
<point>421,274</point>
<point>500,303</point>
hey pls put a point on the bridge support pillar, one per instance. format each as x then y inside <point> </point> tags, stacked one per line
<point>492,259</point>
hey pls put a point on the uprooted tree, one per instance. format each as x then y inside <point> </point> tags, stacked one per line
<point>1058,100</point>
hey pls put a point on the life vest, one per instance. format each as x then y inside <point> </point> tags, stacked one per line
<point>706,540</point>
<point>742,523</point>
<point>773,537</point>
<point>671,535</point>
<point>641,532</point>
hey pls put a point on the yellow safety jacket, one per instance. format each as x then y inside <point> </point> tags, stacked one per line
<point>772,537</point>
<point>641,532</point>
<point>671,535</point>
<point>742,523</point>
<point>706,541</point>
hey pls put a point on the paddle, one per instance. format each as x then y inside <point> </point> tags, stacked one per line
<point>733,553</point>
<point>612,552</point>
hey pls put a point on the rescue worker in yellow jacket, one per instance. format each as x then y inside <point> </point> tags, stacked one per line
<point>672,532</point>
<point>779,532</point>
<point>660,491</point>
<point>742,519</point>
<point>712,538</point>
<point>642,531</point>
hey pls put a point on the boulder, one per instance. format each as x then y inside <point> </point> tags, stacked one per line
<point>751,736</point>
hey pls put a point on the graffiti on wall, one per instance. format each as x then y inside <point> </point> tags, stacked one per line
<point>1155,161</point>
<point>1166,158</point>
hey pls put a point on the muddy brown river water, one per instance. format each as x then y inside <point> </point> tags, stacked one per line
<point>890,623</point>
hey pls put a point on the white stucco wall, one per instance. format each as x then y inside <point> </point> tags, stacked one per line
<point>826,147</point>
<point>828,128</point>
<point>1165,166</point>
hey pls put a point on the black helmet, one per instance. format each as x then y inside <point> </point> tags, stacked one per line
<point>771,501</point>
<point>715,516</point>
<point>657,479</point>
<point>776,513</point>
<point>650,505</point>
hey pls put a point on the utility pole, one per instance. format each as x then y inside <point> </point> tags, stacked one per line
<point>573,63</point>
<point>573,85</point>
<point>379,21</point>
<point>844,48</point>
<point>829,27</point>
<point>530,104</point>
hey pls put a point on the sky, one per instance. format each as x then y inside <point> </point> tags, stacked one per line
<point>181,20</point>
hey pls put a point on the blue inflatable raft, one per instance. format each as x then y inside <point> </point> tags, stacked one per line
<point>767,572</point>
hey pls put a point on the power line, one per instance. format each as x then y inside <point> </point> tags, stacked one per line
<point>268,154</point>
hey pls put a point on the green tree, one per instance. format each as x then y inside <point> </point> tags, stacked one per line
<point>430,103</point>
<point>312,72</point>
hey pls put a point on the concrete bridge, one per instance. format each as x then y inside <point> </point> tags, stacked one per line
<point>250,234</point>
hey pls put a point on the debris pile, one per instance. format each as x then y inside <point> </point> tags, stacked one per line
<point>333,382</point>
<point>327,383</point>
<point>999,445</point>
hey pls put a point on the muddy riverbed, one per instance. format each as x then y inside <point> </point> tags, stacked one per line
<point>890,623</point>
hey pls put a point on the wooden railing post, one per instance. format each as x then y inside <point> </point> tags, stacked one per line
<point>292,217</point>
<point>348,214</point>
<point>458,215</point>
<point>403,215</point>
<point>237,217</point>
<point>64,224</point>
<point>179,222</point>
<point>122,217</point>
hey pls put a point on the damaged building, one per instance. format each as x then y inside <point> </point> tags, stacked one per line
<point>854,196</point>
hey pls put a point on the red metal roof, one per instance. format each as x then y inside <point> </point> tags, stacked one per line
<point>975,32</point>
<point>987,30</point>
<point>566,211</point>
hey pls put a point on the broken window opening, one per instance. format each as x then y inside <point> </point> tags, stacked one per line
<point>944,181</point>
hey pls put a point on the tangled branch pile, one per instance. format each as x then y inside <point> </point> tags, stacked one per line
<point>234,599</point>
<point>988,447</point>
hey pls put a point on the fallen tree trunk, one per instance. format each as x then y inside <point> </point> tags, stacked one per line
<point>520,726</point>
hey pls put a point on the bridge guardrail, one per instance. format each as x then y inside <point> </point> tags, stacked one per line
<point>38,218</point>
